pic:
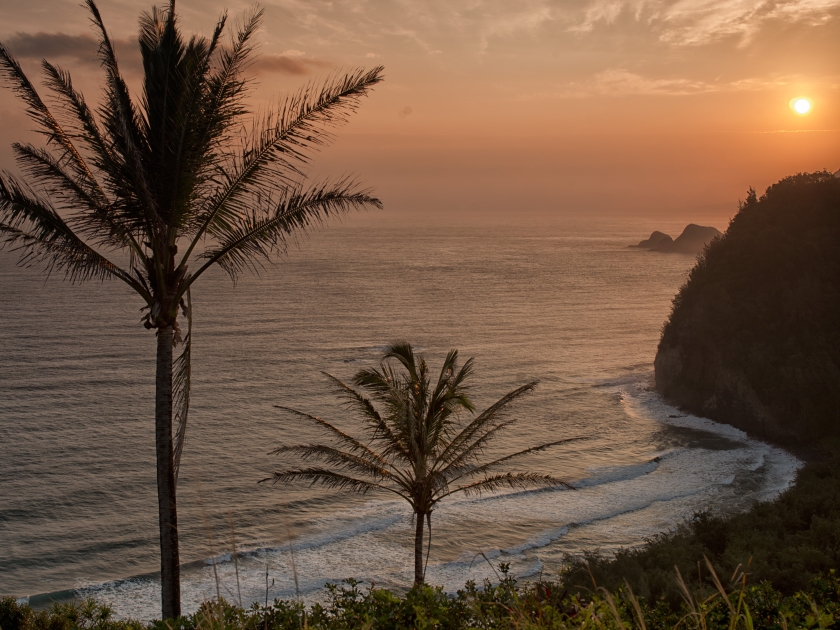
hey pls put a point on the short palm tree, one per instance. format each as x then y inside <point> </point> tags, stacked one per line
<point>416,442</point>
<point>171,183</point>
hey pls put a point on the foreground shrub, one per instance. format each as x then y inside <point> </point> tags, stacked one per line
<point>81,615</point>
<point>788,543</point>
<point>503,606</point>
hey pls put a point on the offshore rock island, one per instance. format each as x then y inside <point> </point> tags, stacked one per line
<point>753,339</point>
<point>692,240</point>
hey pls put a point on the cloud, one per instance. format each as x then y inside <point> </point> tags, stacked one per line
<point>689,23</point>
<point>83,48</point>
<point>599,11</point>
<point>288,63</point>
<point>620,82</point>
<point>525,18</point>
<point>699,22</point>
<point>50,45</point>
<point>80,48</point>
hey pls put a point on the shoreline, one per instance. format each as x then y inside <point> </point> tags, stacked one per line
<point>41,601</point>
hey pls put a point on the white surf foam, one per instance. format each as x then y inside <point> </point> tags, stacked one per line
<point>372,542</point>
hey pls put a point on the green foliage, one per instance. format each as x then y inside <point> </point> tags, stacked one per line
<point>786,543</point>
<point>757,325</point>
<point>81,615</point>
<point>782,557</point>
<point>503,606</point>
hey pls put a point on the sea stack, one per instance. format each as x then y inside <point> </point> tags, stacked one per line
<point>656,239</point>
<point>692,240</point>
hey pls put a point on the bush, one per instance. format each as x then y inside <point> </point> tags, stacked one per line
<point>503,606</point>
<point>787,543</point>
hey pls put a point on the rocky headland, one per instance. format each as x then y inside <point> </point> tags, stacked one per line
<point>692,241</point>
<point>753,339</point>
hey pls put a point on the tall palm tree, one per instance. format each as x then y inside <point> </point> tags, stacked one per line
<point>416,443</point>
<point>171,182</point>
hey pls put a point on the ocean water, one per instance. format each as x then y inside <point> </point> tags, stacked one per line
<point>562,300</point>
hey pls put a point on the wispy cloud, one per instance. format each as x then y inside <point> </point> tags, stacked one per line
<point>701,23</point>
<point>290,62</point>
<point>698,22</point>
<point>525,18</point>
<point>621,82</point>
<point>600,11</point>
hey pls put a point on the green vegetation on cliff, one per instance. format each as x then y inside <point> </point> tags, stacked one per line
<point>786,543</point>
<point>754,336</point>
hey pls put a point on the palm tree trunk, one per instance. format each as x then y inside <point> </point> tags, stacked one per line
<point>170,568</point>
<point>418,550</point>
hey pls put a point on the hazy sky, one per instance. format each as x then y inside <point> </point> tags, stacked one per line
<point>649,107</point>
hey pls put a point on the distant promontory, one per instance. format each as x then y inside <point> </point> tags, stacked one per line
<point>692,241</point>
<point>753,339</point>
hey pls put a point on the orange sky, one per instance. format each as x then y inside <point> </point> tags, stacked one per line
<point>642,107</point>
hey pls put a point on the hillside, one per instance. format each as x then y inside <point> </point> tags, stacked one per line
<point>754,335</point>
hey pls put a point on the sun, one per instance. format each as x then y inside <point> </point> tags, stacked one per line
<point>800,105</point>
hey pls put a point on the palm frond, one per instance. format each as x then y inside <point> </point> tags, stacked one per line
<point>181,387</point>
<point>222,107</point>
<point>449,397</point>
<point>484,468</point>
<point>111,223</point>
<point>514,481</point>
<point>382,383</point>
<point>404,353</point>
<point>468,433</point>
<point>81,123</point>
<point>38,112</point>
<point>41,167</point>
<point>174,120</point>
<point>338,458</point>
<point>33,227</point>
<point>382,433</point>
<point>225,85</point>
<point>255,236</point>
<point>451,392</point>
<point>279,144</point>
<point>329,479</point>
<point>469,452</point>
<point>389,389</point>
<point>346,439</point>
<point>123,124</point>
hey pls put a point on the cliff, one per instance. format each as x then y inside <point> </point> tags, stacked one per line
<point>753,338</point>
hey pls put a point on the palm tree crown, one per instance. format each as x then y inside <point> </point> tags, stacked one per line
<point>416,444</point>
<point>170,181</point>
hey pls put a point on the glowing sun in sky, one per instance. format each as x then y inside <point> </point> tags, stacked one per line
<point>800,105</point>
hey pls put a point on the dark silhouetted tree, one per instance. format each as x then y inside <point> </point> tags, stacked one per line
<point>172,181</point>
<point>416,442</point>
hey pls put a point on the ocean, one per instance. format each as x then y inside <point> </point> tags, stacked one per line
<point>559,299</point>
